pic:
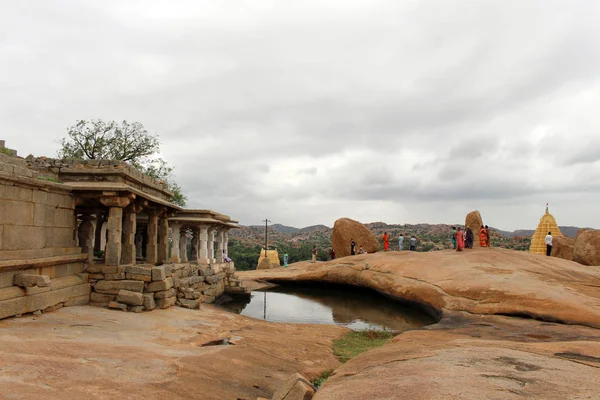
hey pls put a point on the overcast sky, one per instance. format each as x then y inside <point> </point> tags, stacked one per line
<point>308,111</point>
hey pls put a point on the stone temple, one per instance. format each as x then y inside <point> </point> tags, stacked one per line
<point>547,224</point>
<point>99,232</point>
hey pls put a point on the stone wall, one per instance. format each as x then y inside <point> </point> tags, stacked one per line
<point>40,266</point>
<point>145,287</point>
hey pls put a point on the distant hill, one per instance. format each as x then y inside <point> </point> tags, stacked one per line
<point>569,231</point>
<point>284,229</point>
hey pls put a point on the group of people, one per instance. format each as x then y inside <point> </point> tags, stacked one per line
<point>464,239</point>
<point>412,246</point>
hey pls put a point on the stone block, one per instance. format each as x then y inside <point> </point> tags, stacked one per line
<point>67,269</point>
<point>78,301</point>
<point>137,309</point>
<point>94,269</point>
<point>41,301</point>
<point>40,196</point>
<point>29,280</point>
<point>11,192</point>
<point>159,274</point>
<point>16,212</point>
<point>22,171</point>
<point>11,293</point>
<point>65,281</point>
<point>163,303</point>
<point>117,306</point>
<point>130,298</point>
<point>136,277</point>
<point>115,277</point>
<point>137,270</point>
<point>98,277</point>
<point>149,303</point>
<point>112,269</point>
<point>43,215</point>
<point>59,200</point>
<point>7,278</point>
<point>165,293</point>
<point>296,387</point>
<point>188,303</point>
<point>84,277</point>
<point>160,285</point>
<point>54,308</point>
<point>63,218</point>
<point>30,291</point>
<point>168,269</point>
<point>103,299</point>
<point>113,287</point>
<point>173,301</point>
<point>63,237</point>
<point>17,237</point>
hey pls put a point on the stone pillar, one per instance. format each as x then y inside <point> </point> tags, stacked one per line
<point>128,238</point>
<point>175,236</point>
<point>194,255</point>
<point>226,242</point>
<point>219,257</point>
<point>211,246</point>
<point>100,219</point>
<point>183,245</point>
<point>163,239</point>
<point>203,250</point>
<point>86,237</point>
<point>139,242</point>
<point>152,243</point>
<point>112,255</point>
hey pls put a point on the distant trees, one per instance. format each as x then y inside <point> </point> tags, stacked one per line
<point>130,142</point>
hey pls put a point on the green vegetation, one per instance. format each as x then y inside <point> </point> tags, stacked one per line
<point>356,342</point>
<point>48,178</point>
<point>8,152</point>
<point>320,380</point>
<point>128,142</point>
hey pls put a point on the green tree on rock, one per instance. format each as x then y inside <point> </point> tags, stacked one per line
<point>129,142</point>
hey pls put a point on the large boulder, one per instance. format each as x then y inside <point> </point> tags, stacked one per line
<point>269,260</point>
<point>346,229</point>
<point>474,221</point>
<point>562,247</point>
<point>587,247</point>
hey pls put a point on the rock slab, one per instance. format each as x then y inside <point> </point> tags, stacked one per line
<point>587,247</point>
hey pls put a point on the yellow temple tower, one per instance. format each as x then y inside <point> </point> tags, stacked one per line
<point>547,224</point>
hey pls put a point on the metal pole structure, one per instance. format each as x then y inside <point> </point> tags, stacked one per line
<point>266,236</point>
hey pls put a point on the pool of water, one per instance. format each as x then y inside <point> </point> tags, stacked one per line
<point>346,306</point>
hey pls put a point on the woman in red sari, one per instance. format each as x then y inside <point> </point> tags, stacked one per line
<point>460,240</point>
<point>483,237</point>
<point>386,241</point>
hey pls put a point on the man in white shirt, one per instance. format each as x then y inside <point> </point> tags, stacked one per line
<point>548,241</point>
<point>400,242</point>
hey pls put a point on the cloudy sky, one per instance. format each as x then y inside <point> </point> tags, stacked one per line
<point>307,111</point>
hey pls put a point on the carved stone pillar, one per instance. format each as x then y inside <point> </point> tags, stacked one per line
<point>194,255</point>
<point>100,220</point>
<point>86,237</point>
<point>128,251</point>
<point>183,245</point>
<point>139,243</point>
<point>163,239</point>
<point>203,251</point>
<point>175,236</point>
<point>152,242</point>
<point>219,257</point>
<point>226,242</point>
<point>211,246</point>
<point>112,256</point>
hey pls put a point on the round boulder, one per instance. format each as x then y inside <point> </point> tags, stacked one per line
<point>346,229</point>
<point>474,221</point>
<point>587,247</point>
<point>270,261</point>
<point>562,247</point>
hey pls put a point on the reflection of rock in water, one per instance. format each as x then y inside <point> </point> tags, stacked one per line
<point>235,304</point>
<point>351,304</point>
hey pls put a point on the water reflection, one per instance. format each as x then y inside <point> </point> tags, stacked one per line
<point>351,307</point>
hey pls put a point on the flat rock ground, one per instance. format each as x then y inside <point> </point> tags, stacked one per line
<point>95,353</point>
<point>513,326</point>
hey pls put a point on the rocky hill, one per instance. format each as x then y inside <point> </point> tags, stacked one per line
<point>246,242</point>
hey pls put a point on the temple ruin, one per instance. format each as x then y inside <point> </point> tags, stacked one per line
<point>547,224</point>
<point>99,232</point>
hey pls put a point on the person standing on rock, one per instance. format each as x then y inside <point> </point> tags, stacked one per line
<point>487,236</point>
<point>352,247</point>
<point>400,242</point>
<point>386,241</point>
<point>413,243</point>
<point>459,238</point>
<point>483,237</point>
<point>332,254</point>
<point>469,238</point>
<point>548,241</point>
<point>453,237</point>
<point>314,254</point>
